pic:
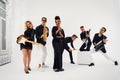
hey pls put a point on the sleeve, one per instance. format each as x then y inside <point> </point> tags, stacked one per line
<point>81,36</point>
<point>104,37</point>
<point>94,39</point>
<point>63,33</point>
<point>48,32</point>
<point>72,44</point>
<point>54,32</point>
<point>38,33</point>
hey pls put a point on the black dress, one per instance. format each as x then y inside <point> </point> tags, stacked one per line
<point>29,34</point>
<point>58,47</point>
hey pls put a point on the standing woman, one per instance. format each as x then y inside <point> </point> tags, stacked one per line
<point>27,47</point>
<point>58,36</point>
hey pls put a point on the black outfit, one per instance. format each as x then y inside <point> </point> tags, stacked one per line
<point>29,34</point>
<point>97,39</point>
<point>57,43</point>
<point>89,43</point>
<point>69,40</point>
<point>39,32</point>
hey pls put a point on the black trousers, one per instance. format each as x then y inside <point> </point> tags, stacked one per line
<point>86,47</point>
<point>58,50</point>
<point>70,54</point>
<point>103,50</point>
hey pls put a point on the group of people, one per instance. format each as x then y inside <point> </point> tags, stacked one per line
<point>59,43</point>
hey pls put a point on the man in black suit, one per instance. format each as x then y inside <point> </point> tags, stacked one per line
<point>66,47</point>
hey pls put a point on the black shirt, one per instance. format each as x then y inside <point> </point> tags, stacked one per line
<point>39,32</point>
<point>98,38</point>
<point>83,35</point>
<point>57,37</point>
<point>69,40</point>
<point>29,34</point>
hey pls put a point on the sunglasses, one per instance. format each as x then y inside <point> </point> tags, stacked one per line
<point>44,20</point>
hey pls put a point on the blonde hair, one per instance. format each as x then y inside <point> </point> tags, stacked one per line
<point>26,27</point>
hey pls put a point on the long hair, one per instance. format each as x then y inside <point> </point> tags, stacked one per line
<point>26,27</point>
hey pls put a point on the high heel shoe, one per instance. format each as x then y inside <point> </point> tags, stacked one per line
<point>26,71</point>
<point>29,69</point>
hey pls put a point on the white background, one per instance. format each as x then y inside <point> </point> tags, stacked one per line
<point>93,14</point>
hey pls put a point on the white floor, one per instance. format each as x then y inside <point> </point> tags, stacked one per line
<point>103,69</point>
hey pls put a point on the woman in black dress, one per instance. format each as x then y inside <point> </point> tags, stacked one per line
<point>27,47</point>
<point>58,37</point>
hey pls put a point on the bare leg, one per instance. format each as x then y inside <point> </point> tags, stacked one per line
<point>29,57</point>
<point>25,59</point>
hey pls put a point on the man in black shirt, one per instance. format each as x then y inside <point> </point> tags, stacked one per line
<point>86,43</point>
<point>70,40</point>
<point>42,33</point>
<point>100,37</point>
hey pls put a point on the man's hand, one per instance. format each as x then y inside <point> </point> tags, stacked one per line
<point>94,44</point>
<point>105,41</point>
<point>88,35</point>
<point>74,49</point>
<point>83,40</point>
<point>70,49</point>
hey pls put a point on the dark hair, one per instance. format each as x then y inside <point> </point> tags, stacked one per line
<point>74,36</point>
<point>104,29</point>
<point>81,26</point>
<point>44,18</point>
<point>57,18</point>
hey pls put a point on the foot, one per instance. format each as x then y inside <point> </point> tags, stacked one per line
<point>116,63</point>
<point>87,49</point>
<point>72,62</point>
<point>91,64</point>
<point>29,68</point>
<point>61,69</point>
<point>56,70</point>
<point>26,71</point>
<point>39,66</point>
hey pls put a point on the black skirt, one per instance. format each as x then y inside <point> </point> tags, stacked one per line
<point>26,46</point>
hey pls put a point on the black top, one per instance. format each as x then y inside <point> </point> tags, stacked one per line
<point>39,32</point>
<point>57,37</point>
<point>29,34</point>
<point>83,35</point>
<point>69,40</point>
<point>98,38</point>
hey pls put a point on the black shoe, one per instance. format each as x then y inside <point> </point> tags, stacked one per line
<point>61,69</point>
<point>116,63</point>
<point>91,64</point>
<point>56,70</point>
<point>27,72</point>
<point>29,69</point>
<point>72,62</point>
<point>87,49</point>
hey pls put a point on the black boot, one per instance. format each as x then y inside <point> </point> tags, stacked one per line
<point>116,63</point>
<point>91,64</point>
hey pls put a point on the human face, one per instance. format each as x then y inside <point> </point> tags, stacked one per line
<point>44,21</point>
<point>73,38</point>
<point>102,30</point>
<point>57,22</point>
<point>28,24</point>
<point>82,29</point>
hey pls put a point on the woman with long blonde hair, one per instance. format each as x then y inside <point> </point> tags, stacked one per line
<point>27,47</point>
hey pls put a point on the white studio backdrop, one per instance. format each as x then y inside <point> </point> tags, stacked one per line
<point>93,14</point>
